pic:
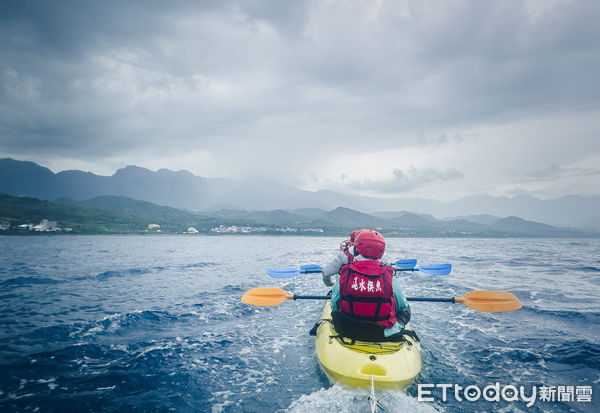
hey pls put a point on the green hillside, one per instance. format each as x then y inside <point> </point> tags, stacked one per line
<point>97,216</point>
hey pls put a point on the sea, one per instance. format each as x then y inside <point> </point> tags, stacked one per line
<point>154,323</point>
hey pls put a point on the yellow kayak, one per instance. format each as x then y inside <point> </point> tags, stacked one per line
<point>392,365</point>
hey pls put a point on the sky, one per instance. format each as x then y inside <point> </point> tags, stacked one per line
<point>433,99</point>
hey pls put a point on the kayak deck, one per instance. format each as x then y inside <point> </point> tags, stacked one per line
<point>393,365</point>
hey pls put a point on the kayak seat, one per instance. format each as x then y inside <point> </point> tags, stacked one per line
<point>353,329</point>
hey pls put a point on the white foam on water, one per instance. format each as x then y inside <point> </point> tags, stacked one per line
<point>161,346</point>
<point>220,407</point>
<point>51,383</point>
<point>106,388</point>
<point>343,399</point>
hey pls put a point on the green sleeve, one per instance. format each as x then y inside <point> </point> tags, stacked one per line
<point>401,303</point>
<point>335,295</point>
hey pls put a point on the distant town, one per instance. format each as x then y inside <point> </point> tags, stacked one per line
<point>44,226</point>
<point>237,229</point>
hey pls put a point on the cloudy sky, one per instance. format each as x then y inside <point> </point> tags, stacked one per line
<point>436,99</point>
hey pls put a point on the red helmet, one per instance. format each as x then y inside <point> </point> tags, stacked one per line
<point>354,234</point>
<point>370,244</point>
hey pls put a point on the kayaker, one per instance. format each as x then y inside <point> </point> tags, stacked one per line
<point>367,291</point>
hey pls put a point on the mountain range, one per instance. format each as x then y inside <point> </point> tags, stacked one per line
<point>183,190</point>
<point>115,214</point>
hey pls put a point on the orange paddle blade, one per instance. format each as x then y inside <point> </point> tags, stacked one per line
<point>491,301</point>
<point>266,296</point>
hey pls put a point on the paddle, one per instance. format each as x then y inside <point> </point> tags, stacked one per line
<point>405,264</point>
<point>438,269</point>
<point>400,265</point>
<point>489,301</point>
<point>292,272</point>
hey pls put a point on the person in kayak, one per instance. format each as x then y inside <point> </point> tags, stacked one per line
<point>367,302</point>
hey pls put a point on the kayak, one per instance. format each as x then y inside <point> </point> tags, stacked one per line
<point>385,364</point>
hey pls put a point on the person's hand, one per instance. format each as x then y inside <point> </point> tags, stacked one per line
<point>328,280</point>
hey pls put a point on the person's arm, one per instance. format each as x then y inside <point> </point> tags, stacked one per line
<point>335,296</point>
<point>334,267</point>
<point>402,306</point>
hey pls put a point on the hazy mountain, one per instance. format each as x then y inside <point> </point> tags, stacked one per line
<point>134,209</point>
<point>516,225</point>
<point>26,178</point>
<point>563,211</point>
<point>274,217</point>
<point>310,213</point>
<point>481,219</point>
<point>112,214</point>
<point>178,189</point>
<point>181,189</point>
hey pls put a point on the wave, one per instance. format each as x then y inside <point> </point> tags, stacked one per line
<point>49,334</point>
<point>22,281</point>
<point>586,269</point>
<point>127,272</point>
<point>586,316</point>
<point>574,352</point>
<point>120,324</point>
<point>88,376</point>
<point>198,265</point>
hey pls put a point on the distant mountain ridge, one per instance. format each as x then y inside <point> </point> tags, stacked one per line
<point>113,214</point>
<point>183,190</point>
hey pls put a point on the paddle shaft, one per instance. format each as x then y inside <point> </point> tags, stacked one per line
<point>440,269</point>
<point>489,301</point>
<point>311,297</point>
<point>433,299</point>
<point>430,299</point>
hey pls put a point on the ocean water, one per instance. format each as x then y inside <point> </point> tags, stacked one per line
<point>155,323</point>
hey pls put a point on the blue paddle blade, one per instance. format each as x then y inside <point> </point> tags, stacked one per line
<point>405,264</point>
<point>284,273</point>
<point>310,268</point>
<point>439,269</point>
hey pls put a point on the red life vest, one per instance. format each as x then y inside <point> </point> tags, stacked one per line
<point>366,292</point>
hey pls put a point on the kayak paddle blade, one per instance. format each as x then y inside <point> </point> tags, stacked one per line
<point>282,273</point>
<point>490,301</point>
<point>439,269</point>
<point>405,264</point>
<point>266,297</point>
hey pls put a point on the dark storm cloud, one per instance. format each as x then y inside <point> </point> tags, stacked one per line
<point>67,66</point>
<point>285,82</point>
